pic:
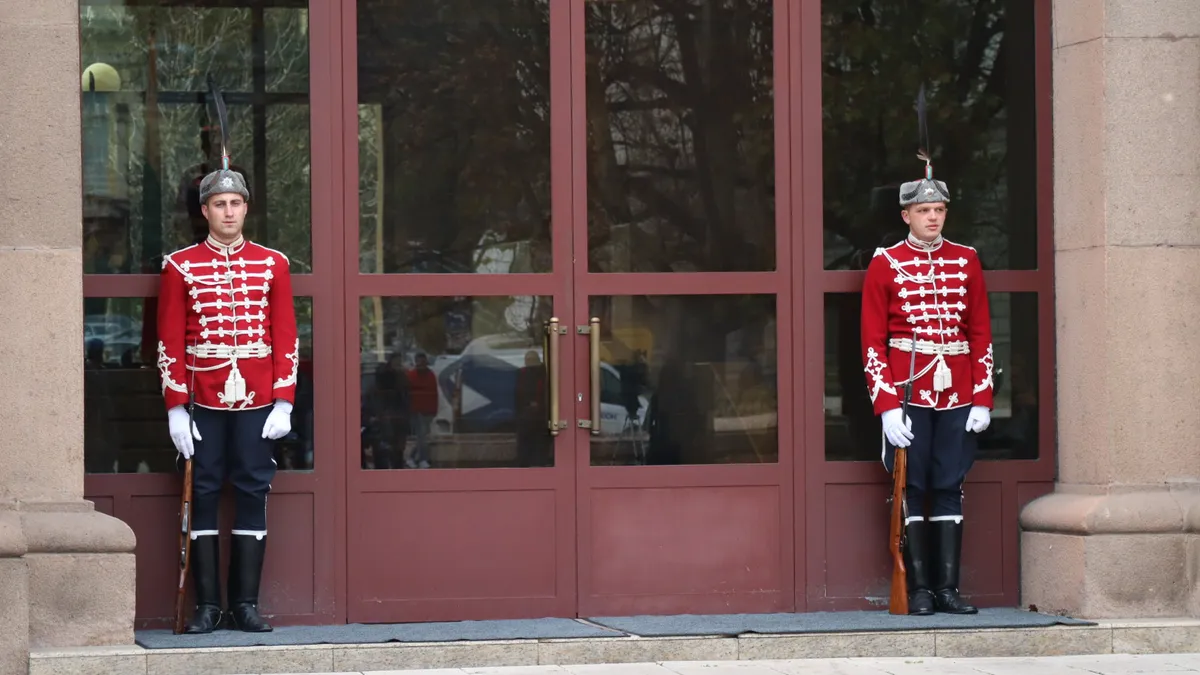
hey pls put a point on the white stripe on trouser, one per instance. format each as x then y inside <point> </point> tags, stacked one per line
<point>257,534</point>
<point>957,519</point>
<point>203,533</point>
<point>913,519</point>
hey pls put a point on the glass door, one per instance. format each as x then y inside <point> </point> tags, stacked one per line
<point>593,185</point>
<point>682,306</point>
<point>461,495</point>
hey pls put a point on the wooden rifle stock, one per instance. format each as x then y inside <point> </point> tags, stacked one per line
<point>185,545</point>
<point>899,600</point>
<point>185,510</point>
<point>898,604</point>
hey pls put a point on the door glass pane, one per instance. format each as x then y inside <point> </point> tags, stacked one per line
<point>852,430</point>
<point>454,136</point>
<point>976,60</point>
<point>680,136</point>
<point>125,419</point>
<point>454,382</point>
<point>148,136</point>
<point>689,379</point>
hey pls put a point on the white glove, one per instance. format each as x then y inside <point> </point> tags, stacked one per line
<point>279,422</point>
<point>979,419</point>
<point>899,433</point>
<point>177,421</point>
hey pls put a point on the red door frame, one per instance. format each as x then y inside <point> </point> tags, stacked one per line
<point>749,480</point>
<point>469,486</point>
<point>803,473</point>
<point>149,502</point>
<point>1017,481</point>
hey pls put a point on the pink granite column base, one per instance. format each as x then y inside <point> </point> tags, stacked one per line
<point>1133,553</point>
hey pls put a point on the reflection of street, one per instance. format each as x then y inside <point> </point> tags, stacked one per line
<point>483,407</point>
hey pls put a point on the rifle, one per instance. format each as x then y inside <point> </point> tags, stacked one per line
<point>898,604</point>
<point>185,512</point>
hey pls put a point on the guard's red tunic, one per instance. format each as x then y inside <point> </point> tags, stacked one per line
<point>226,313</point>
<point>937,294</point>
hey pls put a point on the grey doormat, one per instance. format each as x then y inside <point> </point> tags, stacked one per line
<point>511,629</point>
<point>826,622</point>
<point>643,626</point>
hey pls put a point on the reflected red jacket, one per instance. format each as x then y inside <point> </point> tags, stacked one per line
<point>424,389</point>
<point>226,314</point>
<point>936,295</point>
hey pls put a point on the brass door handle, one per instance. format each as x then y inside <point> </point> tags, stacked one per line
<point>594,355</point>
<point>553,330</point>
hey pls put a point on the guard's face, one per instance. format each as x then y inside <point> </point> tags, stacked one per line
<point>226,214</point>
<point>925,221</point>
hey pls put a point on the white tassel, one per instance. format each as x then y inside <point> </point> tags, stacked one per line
<point>235,386</point>
<point>941,376</point>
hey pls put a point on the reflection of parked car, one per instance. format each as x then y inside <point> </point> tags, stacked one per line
<point>114,347</point>
<point>104,326</point>
<point>477,388</point>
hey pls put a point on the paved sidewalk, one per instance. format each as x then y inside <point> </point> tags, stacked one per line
<point>1116,664</point>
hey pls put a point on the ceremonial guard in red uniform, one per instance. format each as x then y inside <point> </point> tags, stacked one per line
<point>227,334</point>
<point>927,293</point>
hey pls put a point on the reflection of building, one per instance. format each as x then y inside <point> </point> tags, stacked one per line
<point>1075,180</point>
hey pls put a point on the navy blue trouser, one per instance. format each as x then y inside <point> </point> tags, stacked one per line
<point>941,453</point>
<point>232,447</point>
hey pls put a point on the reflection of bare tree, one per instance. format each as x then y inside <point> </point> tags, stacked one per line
<point>975,57</point>
<point>680,135</point>
<point>259,57</point>
<point>680,111</point>
<point>463,89</point>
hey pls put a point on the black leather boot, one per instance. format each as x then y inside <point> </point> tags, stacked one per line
<point>947,546</point>
<point>205,563</point>
<point>245,573</point>
<point>916,564</point>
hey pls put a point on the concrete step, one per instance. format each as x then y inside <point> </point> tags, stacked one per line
<point>1141,636</point>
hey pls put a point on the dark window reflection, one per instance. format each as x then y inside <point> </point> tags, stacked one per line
<point>454,136</point>
<point>148,136</point>
<point>852,431</point>
<point>125,421</point>
<point>454,382</point>
<point>680,135</point>
<point>976,59</point>
<point>687,380</point>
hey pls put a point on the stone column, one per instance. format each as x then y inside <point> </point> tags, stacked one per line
<point>1117,538</point>
<point>66,571</point>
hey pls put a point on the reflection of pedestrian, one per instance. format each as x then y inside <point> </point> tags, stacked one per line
<point>102,440</point>
<point>674,419</point>
<point>95,354</point>
<point>388,410</point>
<point>424,406</point>
<point>1018,436</point>
<point>533,439</point>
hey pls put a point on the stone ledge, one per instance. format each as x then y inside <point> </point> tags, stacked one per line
<point>76,532</point>
<point>1135,636</point>
<point>1148,510</point>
